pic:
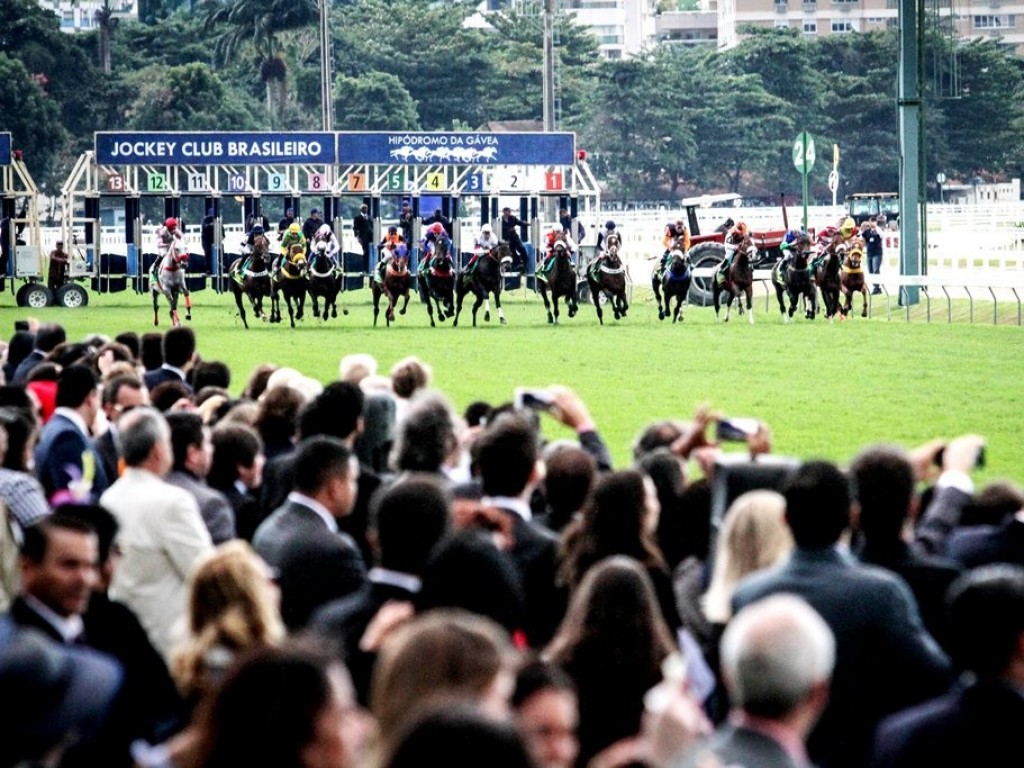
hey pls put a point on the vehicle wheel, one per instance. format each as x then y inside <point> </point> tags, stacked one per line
<point>704,255</point>
<point>19,297</point>
<point>583,293</point>
<point>72,296</point>
<point>37,296</point>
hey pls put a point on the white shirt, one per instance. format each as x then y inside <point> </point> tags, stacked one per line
<point>513,503</point>
<point>74,417</point>
<point>406,581</point>
<point>70,627</point>
<point>486,243</point>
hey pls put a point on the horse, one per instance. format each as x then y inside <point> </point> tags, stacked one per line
<point>676,284</point>
<point>797,281</point>
<point>826,276</point>
<point>324,282</point>
<point>561,281</point>
<point>168,278</point>
<point>394,281</point>
<point>737,282</point>
<point>485,279</point>
<point>437,283</point>
<point>291,279</point>
<point>251,276</point>
<point>851,277</point>
<point>607,275</point>
<point>658,274</point>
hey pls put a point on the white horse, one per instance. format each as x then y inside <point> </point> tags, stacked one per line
<point>168,278</point>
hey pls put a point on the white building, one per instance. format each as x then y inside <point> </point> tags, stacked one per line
<point>80,15</point>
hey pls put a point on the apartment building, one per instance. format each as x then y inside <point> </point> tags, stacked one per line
<point>80,15</point>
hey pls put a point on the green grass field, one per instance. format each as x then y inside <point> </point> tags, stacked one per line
<point>825,390</point>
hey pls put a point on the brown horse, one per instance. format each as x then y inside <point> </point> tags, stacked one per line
<point>251,276</point>
<point>738,281</point>
<point>290,278</point>
<point>658,275</point>
<point>826,276</point>
<point>485,279</point>
<point>796,280</point>
<point>561,282</point>
<point>437,282</point>
<point>393,280</point>
<point>607,275</point>
<point>851,277</point>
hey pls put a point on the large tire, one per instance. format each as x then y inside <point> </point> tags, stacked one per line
<point>704,255</point>
<point>19,297</point>
<point>72,296</point>
<point>38,296</point>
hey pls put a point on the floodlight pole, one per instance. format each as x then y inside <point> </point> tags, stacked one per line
<point>909,102</point>
<point>326,88</point>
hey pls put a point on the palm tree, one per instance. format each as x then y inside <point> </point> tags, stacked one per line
<point>107,23</point>
<point>259,23</point>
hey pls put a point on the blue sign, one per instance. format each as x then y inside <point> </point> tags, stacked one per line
<point>5,149</point>
<point>457,148</point>
<point>215,148</point>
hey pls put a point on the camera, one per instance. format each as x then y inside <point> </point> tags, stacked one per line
<point>735,430</point>
<point>535,399</point>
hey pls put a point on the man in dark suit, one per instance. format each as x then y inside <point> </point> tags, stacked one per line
<point>885,659</point>
<point>884,481</point>
<point>47,338</point>
<point>236,470</point>
<point>179,347</point>
<point>193,452</point>
<point>315,562</point>
<point>120,395</point>
<point>777,660</point>
<point>510,226</point>
<point>508,462</point>
<point>336,412</point>
<point>978,722</point>
<point>65,440</point>
<point>362,228</point>
<point>65,568</point>
<point>408,519</point>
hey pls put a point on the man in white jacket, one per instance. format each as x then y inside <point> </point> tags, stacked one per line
<point>162,534</point>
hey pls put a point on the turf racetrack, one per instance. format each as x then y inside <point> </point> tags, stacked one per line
<point>826,390</point>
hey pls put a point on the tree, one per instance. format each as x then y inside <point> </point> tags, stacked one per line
<point>31,116</point>
<point>107,23</point>
<point>257,25</point>
<point>376,101</point>
<point>186,98</point>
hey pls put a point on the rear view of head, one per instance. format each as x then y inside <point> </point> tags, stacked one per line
<point>426,434</point>
<point>817,504</point>
<point>179,346</point>
<point>506,456</point>
<point>883,479</point>
<point>986,608</point>
<point>409,517</point>
<point>777,654</point>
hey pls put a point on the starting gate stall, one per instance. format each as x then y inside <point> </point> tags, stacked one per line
<point>471,172</point>
<point>173,165</point>
<point>21,250</point>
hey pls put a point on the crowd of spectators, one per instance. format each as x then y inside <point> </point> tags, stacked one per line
<point>350,573</point>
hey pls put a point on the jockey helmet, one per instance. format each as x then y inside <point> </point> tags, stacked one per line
<point>741,228</point>
<point>848,226</point>
<point>171,223</point>
<point>609,224</point>
<point>294,228</point>
<point>392,230</point>
<point>257,230</point>
<point>792,235</point>
<point>486,229</point>
<point>324,230</point>
<point>437,228</point>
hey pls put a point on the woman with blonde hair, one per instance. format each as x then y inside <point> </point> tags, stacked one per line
<point>233,608</point>
<point>754,535</point>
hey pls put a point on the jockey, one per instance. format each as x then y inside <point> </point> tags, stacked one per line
<point>292,236</point>
<point>389,251</point>
<point>485,242</point>
<point>604,234</point>
<point>166,235</point>
<point>677,235</point>
<point>787,251</point>
<point>435,232</point>
<point>732,242</point>
<point>326,235</point>
<point>387,246</point>
<point>556,241</point>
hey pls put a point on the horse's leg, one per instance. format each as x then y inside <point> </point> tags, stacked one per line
<point>749,291</point>
<point>570,300</point>
<point>595,295</point>
<point>476,304</point>
<point>780,295</point>
<point>864,300</point>
<point>314,300</point>
<point>172,297</point>
<point>405,304</point>
<point>188,304</point>
<point>425,294</point>
<point>460,295</point>
<point>729,296</point>
<point>487,307</point>
<point>497,305</point>
<point>376,305</point>
<point>716,295</point>
<point>156,307</point>
<point>656,285</point>
<point>238,303</point>
<point>547,304</point>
